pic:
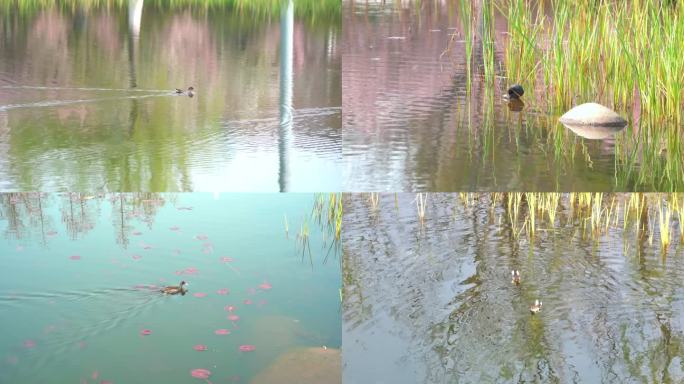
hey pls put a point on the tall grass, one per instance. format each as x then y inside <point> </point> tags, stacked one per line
<point>624,54</point>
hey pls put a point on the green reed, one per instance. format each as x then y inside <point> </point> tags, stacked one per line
<point>626,55</point>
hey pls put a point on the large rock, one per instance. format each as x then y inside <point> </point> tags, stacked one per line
<point>593,114</point>
<point>304,366</point>
<point>593,121</point>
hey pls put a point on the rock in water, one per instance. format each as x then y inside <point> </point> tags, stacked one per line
<point>304,366</point>
<point>593,114</point>
<point>593,121</point>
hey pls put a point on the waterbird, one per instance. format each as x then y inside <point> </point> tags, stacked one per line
<point>536,307</point>
<point>515,91</point>
<point>190,92</point>
<point>174,290</point>
<point>515,277</point>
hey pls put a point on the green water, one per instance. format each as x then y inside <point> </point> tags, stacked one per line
<point>86,316</point>
<point>87,97</point>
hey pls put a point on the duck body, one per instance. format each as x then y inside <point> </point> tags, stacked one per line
<point>174,290</point>
<point>515,277</point>
<point>190,92</point>
<point>536,307</point>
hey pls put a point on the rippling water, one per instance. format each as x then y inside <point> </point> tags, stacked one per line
<point>81,278</point>
<point>87,101</point>
<point>410,124</point>
<point>434,303</point>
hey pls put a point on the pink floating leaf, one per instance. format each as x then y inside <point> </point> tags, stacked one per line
<point>95,375</point>
<point>222,331</point>
<point>247,348</point>
<point>233,317</point>
<point>175,228</point>
<point>200,347</point>
<point>200,294</point>
<point>265,286</point>
<point>227,259</point>
<point>200,373</point>
<point>146,332</point>
<point>136,257</point>
<point>75,257</point>
<point>248,301</point>
<point>202,237</point>
<point>229,308</point>
<point>222,291</point>
<point>29,343</point>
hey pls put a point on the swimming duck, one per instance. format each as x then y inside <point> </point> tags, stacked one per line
<point>515,91</point>
<point>179,91</point>
<point>515,277</point>
<point>174,290</point>
<point>536,307</point>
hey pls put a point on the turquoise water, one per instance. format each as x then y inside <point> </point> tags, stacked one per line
<point>76,321</point>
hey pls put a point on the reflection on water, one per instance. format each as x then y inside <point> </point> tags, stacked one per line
<point>87,101</point>
<point>82,273</point>
<point>433,302</point>
<point>410,122</point>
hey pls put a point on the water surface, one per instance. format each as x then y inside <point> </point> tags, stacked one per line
<point>87,101</point>
<point>434,302</point>
<point>81,278</point>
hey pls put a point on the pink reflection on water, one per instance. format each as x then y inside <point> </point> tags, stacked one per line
<point>247,348</point>
<point>51,233</point>
<point>247,301</point>
<point>29,343</point>
<point>146,332</point>
<point>226,259</point>
<point>222,291</point>
<point>200,347</point>
<point>222,331</point>
<point>229,308</point>
<point>75,257</point>
<point>233,317</point>
<point>175,228</point>
<point>265,286</point>
<point>136,257</point>
<point>202,237</point>
<point>200,373</point>
<point>200,294</point>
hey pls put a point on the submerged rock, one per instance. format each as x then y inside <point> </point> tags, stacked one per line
<point>304,366</point>
<point>593,121</point>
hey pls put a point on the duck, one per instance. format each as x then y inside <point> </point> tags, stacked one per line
<point>515,92</point>
<point>174,290</point>
<point>515,277</point>
<point>536,307</point>
<point>190,92</point>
